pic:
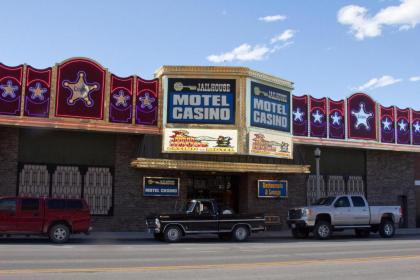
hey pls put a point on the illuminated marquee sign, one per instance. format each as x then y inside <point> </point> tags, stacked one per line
<point>270,144</point>
<point>200,140</point>
<point>272,188</point>
<point>206,101</point>
<point>270,107</point>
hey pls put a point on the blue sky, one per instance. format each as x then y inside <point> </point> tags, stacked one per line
<point>327,48</point>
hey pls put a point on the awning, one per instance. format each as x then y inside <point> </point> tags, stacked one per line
<point>219,166</point>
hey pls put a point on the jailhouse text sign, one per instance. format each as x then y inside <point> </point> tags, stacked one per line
<point>270,107</point>
<point>159,186</point>
<point>202,101</point>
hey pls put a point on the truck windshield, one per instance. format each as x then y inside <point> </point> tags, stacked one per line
<point>189,207</point>
<point>326,201</point>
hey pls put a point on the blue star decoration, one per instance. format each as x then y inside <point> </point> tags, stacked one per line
<point>9,89</point>
<point>298,115</point>
<point>336,118</point>
<point>362,117</point>
<point>387,124</point>
<point>416,126</point>
<point>38,92</point>
<point>403,125</point>
<point>146,101</point>
<point>121,99</point>
<point>317,117</point>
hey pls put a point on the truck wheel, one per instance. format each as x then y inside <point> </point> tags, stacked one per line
<point>300,233</point>
<point>59,233</point>
<point>323,230</point>
<point>172,234</point>
<point>362,233</point>
<point>240,233</point>
<point>387,229</point>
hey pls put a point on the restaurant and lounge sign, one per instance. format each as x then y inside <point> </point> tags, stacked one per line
<point>272,188</point>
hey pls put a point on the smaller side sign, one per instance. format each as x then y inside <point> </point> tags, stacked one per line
<point>160,186</point>
<point>272,188</point>
<point>270,144</point>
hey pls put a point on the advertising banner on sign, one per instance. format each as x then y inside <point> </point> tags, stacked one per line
<point>336,114</point>
<point>270,144</point>
<point>415,127</point>
<point>387,118</point>
<point>200,140</point>
<point>361,117</point>
<point>300,115</point>
<point>318,120</point>
<point>272,188</point>
<point>201,101</point>
<point>403,126</point>
<point>159,186</point>
<point>270,107</point>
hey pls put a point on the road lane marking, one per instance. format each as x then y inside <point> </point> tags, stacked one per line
<point>205,266</point>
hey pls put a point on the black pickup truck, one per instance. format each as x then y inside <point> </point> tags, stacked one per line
<point>204,216</point>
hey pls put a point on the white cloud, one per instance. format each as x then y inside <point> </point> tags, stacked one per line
<point>244,52</point>
<point>378,83</point>
<point>284,36</point>
<point>272,18</point>
<point>415,79</point>
<point>406,16</point>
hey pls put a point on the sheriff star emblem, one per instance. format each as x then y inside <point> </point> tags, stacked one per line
<point>80,90</point>
<point>362,117</point>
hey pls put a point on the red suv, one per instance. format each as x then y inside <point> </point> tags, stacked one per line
<point>55,217</point>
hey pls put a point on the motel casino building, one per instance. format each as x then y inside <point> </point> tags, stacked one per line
<point>131,146</point>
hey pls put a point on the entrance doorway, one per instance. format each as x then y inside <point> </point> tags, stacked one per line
<point>223,188</point>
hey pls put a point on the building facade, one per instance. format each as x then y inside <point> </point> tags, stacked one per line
<point>132,147</point>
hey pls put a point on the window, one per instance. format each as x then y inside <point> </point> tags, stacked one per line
<point>342,202</point>
<point>56,204</point>
<point>74,204</point>
<point>207,208</point>
<point>8,205</point>
<point>358,201</point>
<point>30,204</point>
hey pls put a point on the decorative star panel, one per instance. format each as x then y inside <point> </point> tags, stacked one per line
<point>361,117</point>
<point>10,89</point>
<point>387,124</point>
<point>300,115</point>
<point>336,119</point>
<point>415,127</point>
<point>80,90</point>
<point>403,125</point>
<point>121,100</point>
<point>37,92</point>
<point>318,120</point>
<point>147,101</point>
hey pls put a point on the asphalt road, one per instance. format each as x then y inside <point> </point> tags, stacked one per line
<point>262,258</point>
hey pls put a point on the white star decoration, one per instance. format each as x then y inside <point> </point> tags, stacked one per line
<point>121,99</point>
<point>416,126</point>
<point>387,124</point>
<point>317,117</point>
<point>336,118</point>
<point>298,115</point>
<point>403,125</point>
<point>362,117</point>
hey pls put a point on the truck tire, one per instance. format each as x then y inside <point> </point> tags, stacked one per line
<point>362,233</point>
<point>240,233</point>
<point>59,233</point>
<point>322,230</point>
<point>300,233</point>
<point>172,234</point>
<point>387,229</point>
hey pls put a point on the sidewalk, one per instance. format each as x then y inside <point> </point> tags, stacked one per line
<point>98,235</point>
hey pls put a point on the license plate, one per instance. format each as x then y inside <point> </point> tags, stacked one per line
<point>293,225</point>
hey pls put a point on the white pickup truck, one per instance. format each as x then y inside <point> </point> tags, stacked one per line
<point>337,213</point>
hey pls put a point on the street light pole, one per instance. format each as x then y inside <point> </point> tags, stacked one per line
<point>317,154</point>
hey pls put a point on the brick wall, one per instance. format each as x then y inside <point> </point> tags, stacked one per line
<point>130,206</point>
<point>275,207</point>
<point>390,175</point>
<point>9,147</point>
